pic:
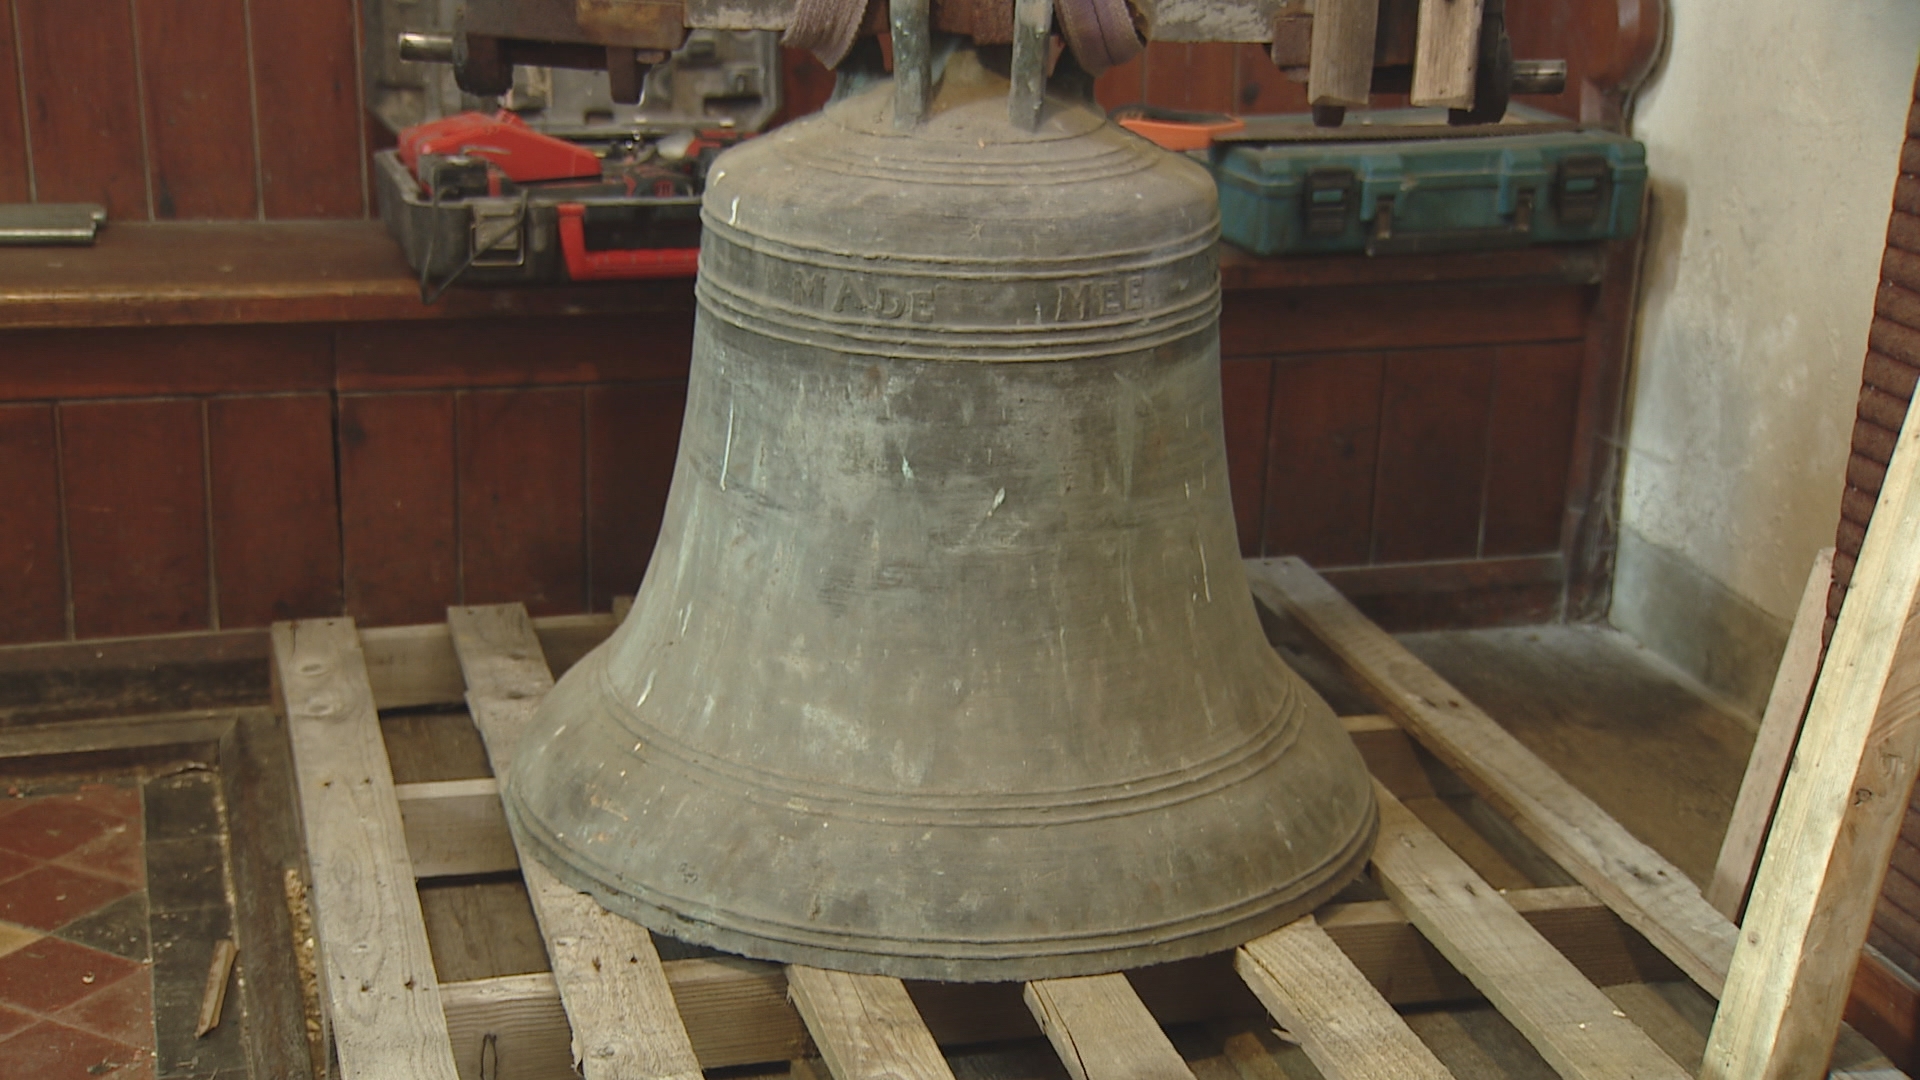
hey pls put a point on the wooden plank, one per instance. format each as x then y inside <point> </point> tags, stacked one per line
<point>633,438</point>
<point>1445,53</point>
<point>1341,71</point>
<point>312,150</point>
<point>33,591</point>
<point>456,828</point>
<point>196,89</point>
<point>617,998</point>
<point>375,962</point>
<point>1323,443</point>
<point>77,62</point>
<point>1342,1022</point>
<point>416,665</point>
<point>1434,409</point>
<point>275,511</point>
<point>136,515</point>
<point>1647,891</point>
<point>397,496</point>
<point>1773,744</point>
<point>1568,1020</point>
<point>1840,811</point>
<point>865,1026</point>
<point>1101,1031</point>
<point>522,521</point>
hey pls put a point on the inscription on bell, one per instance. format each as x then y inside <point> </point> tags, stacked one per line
<point>846,293</point>
<point>1107,296</point>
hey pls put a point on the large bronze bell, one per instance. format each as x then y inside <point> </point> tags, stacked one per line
<point>945,665</point>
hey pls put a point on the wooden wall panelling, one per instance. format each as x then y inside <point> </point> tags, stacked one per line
<point>276,517</point>
<point>33,598</point>
<point>83,103</point>
<point>1434,407</point>
<point>1246,389</point>
<point>805,85</point>
<point>1588,532</point>
<point>1259,87</point>
<point>521,352</point>
<point>16,183</point>
<point>307,86</point>
<point>1122,85</point>
<point>197,90</point>
<point>1536,392</point>
<point>523,515</point>
<point>135,485</point>
<point>398,524</point>
<point>1196,77</point>
<point>1309,320</point>
<point>633,437</point>
<point>1322,450</point>
<point>152,362</point>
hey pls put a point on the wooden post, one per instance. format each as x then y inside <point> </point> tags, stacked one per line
<point>1446,53</point>
<point>1342,65</point>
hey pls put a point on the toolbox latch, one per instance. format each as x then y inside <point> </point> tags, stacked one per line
<point>1582,189</point>
<point>1328,199</point>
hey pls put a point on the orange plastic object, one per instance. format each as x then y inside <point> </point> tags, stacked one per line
<point>523,154</point>
<point>1170,135</point>
<point>624,265</point>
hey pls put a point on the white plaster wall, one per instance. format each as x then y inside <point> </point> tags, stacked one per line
<point>1773,132</point>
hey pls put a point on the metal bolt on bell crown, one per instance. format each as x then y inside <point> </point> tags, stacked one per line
<point>945,666</point>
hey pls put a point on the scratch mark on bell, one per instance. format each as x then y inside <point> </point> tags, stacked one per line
<point>726,454</point>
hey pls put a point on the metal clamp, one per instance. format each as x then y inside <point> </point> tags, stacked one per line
<point>1328,198</point>
<point>1582,189</point>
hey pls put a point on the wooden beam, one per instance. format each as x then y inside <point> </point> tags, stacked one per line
<point>412,666</point>
<point>456,828</point>
<point>1773,745</point>
<point>625,1023</point>
<point>1446,53</point>
<point>1341,71</point>
<point>1650,893</point>
<point>1101,1031</point>
<point>865,1026</point>
<point>1840,811</point>
<point>383,1001</point>
<point>1342,1022</point>
<point>1568,1020</point>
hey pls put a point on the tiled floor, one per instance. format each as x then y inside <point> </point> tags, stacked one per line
<point>112,896</point>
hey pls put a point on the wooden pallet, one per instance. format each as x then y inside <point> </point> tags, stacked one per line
<point>615,1009</point>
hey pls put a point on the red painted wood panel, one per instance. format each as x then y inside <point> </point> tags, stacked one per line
<point>522,500</point>
<point>1194,77</point>
<point>141,362</point>
<point>1246,387</point>
<point>1323,445</point>
<point>398,531</point>
<point>136,486</point>
<point>83,103</point>
<point>1271,322</point>
<point>1123,85</point>
<point>1263,88</point>
<point>805,85</point>
<point>633,436</point>
<point>1536,395</point>
<point>15,185</point>
<point>193,66</point>
<point>519,352</point>
<point>1433,453</point>
<point>33,597</point>
<point>307,84</point>
<point>276,520</point>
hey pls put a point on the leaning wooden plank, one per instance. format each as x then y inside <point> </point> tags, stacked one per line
<point>1650,893</point>
<point>1573,1025</point>
<point>383,1001</point>
<point>1773,745</point>
<point>1341,71</point>
<point>1446,53</point>
<point>865,1026</point>
<point>624,1021</point>
<point>1102,1032</point>
<point>1342,1022</point>
<point>1839,813</point>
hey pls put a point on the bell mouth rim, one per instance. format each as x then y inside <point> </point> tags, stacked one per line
<point>970,960</point>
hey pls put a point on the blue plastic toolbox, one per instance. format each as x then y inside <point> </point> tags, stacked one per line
<point>1401,180</point>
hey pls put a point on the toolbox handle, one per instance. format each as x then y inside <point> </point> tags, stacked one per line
<point>1385,241</point>
<point>629,265</point>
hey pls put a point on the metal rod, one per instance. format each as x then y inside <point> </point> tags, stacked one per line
<point>912,61</point>
<point>1032,19</point>
<point>432,48</point>
<point>1539,76</point>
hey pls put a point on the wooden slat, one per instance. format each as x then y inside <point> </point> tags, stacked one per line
<point>622,1010</point>
<point>1101,1031</point>
<point>384,1002</point>
<point>456,828</point>
<point>1342,1022</point>
<point>1840,811</point>
<point>1772,745</point>
<point>865,1026</point>
<point>416,665</point>
<point>1341,71</point>
<point>1574,1026</point>
<point>1649,892</point>
<point>1446,52</point>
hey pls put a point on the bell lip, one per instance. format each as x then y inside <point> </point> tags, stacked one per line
<point>1075,957</point>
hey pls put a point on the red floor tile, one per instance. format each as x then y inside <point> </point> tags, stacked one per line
<point>118,854</point>
<point>13,864</point>
<point>122,1012</point>
<point>119,801</point>
<point>14,1022</point>
<point>49,828</point>
<point>51,974</point>
<point>53,896</point>
<point>50,1051</point>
